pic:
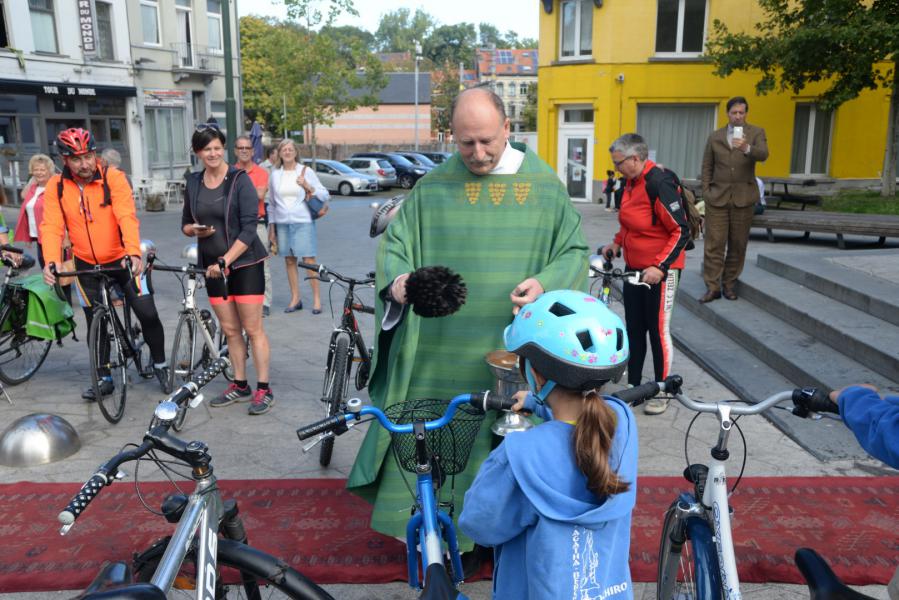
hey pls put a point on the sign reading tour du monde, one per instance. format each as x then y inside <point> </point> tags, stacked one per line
<point>87,26</point>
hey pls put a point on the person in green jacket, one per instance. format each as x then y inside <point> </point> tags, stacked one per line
<point>499,216</point>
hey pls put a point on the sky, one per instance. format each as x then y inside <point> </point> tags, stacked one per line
<point>518,15</point>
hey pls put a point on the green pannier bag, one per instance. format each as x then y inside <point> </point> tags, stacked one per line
<point>47,317</point>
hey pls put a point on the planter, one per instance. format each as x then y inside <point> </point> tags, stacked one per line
<point>154,202</point>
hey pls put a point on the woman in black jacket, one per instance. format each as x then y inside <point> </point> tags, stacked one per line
<point>221,210</point>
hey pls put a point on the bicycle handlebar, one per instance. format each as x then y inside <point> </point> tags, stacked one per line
<point>10,248</point>
<point>324,273</point>
<point>805,401</point>
<point>157,438</point>
<point>337,423</point>
<point>637,395</point>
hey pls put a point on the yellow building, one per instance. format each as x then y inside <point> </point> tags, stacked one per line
<point>607,68</point>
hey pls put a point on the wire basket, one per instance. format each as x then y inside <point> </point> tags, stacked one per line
<point>449,446</point>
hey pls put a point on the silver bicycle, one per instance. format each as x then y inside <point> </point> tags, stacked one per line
<point>209,532</point>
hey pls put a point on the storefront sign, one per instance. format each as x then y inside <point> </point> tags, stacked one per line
<point>87,26</point>
<point>166,98</point>
<point>77,90</point>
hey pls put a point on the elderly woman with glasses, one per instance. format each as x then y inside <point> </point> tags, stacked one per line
<point>221,210</point>
<point>28,227</point>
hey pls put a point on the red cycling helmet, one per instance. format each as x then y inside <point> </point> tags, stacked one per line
<point>75,141</point>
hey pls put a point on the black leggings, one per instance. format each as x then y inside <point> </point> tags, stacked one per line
<point>143,306</point>
<point>648,312</point>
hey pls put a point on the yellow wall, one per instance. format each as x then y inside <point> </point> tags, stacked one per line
<point>623,43</point>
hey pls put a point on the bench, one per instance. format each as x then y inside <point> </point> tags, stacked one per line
<point>880,226</point>
<point>785,195</point>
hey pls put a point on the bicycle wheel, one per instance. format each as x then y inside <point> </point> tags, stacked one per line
<point>261,575</point>
<point>335,386</point>
<point>21,355</point>
<point>108,359</point>
<point>185,359</point>
<point>688,570</point>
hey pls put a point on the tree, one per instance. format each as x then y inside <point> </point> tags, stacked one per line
<point>399,30</point>
<point>451,44</point>
<point>849,45</point>
<point>529,110</point>
<point>445,87</point>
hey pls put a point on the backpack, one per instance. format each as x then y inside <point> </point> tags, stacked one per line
<point>688,204</point>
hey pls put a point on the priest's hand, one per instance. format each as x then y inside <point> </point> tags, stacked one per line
<point>398,289</point>
<point>524,293</point>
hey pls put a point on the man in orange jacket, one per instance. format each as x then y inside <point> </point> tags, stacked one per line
<point>95,206</point>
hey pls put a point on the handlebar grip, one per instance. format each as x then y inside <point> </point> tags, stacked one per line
<point>331,423</point>
<point>79,503</point>
<point>636,395</point>
<point>808,400</point>
<point>13,249</point>
<point>364,308</point>
<point>309,266</point>
<point>491,401</point>
<point>56,287</point>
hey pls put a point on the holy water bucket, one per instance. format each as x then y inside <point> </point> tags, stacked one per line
<point>504,366</point>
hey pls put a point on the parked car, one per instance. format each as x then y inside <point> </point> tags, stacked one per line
<point>417,159</point>
<point>437,157</point>
<point>406,172</point>
<point>338,177</point>
<point>379,168</point>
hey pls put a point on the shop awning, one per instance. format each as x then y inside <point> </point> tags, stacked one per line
<point>68,90</point>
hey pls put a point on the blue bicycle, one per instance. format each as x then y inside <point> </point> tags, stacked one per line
<point>432,439</point>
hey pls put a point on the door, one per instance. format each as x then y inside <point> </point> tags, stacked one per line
<point>575,164</point>
<point>185,37</point>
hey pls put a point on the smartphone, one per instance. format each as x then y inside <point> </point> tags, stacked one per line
<point>738,132</point>
<point>199,227</point>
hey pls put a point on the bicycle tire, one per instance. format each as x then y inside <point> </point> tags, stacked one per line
<point>692,572</point>
<point>252,564</point>
<point>335,384</point>
<point>113,406</point>
<point>28,352</point>
<point>183,363</point>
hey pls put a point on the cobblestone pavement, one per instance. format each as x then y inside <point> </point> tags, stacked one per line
<point>298,343</point>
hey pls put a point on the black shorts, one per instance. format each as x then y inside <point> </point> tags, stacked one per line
<point>246,285</point>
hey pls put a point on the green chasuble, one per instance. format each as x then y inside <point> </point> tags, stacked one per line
<point>495,231</point>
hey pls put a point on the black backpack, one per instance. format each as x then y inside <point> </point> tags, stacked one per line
<point>688,204</point>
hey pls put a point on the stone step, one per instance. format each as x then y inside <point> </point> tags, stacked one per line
<point>855,333</point>
<point>828,274</point>
<point>751,380</point>
<point>799,357</point>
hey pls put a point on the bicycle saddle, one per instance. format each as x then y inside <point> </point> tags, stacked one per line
<point>26,263</point>
<point>823,584</point>
<point>439,586</point>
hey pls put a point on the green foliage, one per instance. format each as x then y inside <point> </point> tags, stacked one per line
<point>451,44</point>
<point>444,91</point>
<point>489,35</point>
<point>864,202</point>
<point>318,12</point>
<point>399,30</point>
<point>529,110</point>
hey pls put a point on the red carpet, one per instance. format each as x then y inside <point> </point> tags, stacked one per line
<point>322,530</point>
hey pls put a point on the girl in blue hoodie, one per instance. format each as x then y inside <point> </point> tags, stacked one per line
<point>555,502</point>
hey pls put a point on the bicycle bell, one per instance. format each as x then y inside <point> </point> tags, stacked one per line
<point>146,247</point>
<point>37,439</point>
<point>166,411</point>
<point>190,253</point>
<point>504,366</point>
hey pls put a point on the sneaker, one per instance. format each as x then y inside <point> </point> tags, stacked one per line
<point>107,387</point>
<point>231,395</point>
<point>656,406</point>
<point>162,376</point>
<point>263,401</point>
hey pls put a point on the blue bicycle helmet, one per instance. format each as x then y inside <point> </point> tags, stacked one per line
<point>571,338</point>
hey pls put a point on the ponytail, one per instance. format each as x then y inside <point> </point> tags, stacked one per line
<point>593,435</point>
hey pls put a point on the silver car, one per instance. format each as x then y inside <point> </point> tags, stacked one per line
<point>338,177</point>
<point>376,167</point>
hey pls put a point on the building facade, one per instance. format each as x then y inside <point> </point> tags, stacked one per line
<point>137,73</point>
<point>510,73</point>
<point>616,67</point>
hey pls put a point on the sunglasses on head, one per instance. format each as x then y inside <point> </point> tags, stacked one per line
<point>205,126</point>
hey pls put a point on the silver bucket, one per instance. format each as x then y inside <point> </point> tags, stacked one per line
<point>504,366</point>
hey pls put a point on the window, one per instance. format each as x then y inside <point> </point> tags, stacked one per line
<point>523,89</point>
<point>166,136</point>
<point>214,17</point>
<point>811,140</point>
<point>511,89</point>
<point>511,111</point>
<point>149,17</point>
<point>104,31</point>
<point>500,89</point>
<point>677,134</point>
<point>576,19</point>
<point>43,25</point>
<point>184,33</point>
<point>680,27</point>
<point>577,115</point>
<point>4,34</point>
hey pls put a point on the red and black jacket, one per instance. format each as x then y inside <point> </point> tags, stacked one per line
<point>654,227</point>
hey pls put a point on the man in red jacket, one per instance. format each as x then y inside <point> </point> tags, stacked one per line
<point>653,232</point>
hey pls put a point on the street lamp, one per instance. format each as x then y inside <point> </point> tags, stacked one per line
<point>417,58</point>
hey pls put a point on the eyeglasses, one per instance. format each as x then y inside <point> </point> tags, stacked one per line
<point>205,126</point>
<point>618,163</point>
<point>243,147</point>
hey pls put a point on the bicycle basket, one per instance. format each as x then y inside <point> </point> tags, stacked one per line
<point>449,446</point>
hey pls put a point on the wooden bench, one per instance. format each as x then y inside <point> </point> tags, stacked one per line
<point>786,195</point>
<point>880,226</point>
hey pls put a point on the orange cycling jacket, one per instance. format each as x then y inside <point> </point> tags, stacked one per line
<point>99,233</point>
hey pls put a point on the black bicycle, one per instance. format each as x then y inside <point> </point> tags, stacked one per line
<point>21,354</point>
<point>114,340</point>
<point>601,268</point>
<point>346,347</point>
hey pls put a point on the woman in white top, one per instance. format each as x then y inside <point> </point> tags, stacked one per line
<point>41,168</point>
<point>291,225</point>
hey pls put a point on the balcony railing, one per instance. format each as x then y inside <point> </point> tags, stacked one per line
<point>188,57</point>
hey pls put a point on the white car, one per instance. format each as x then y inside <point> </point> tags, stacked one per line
<point>379,168</point>
<point>337,177</point>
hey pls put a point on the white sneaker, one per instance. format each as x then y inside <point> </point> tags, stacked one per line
<point>656,406</point>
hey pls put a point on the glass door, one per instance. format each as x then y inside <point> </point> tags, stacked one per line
<point>575,164</point>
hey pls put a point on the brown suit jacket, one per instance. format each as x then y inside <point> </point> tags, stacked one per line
<point>728,175</point>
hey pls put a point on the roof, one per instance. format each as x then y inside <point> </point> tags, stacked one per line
<point>506,62</point>
<point>400,89</point>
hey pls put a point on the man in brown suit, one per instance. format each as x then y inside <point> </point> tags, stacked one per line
<point>730,192</point>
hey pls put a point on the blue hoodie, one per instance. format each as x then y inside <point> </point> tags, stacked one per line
<point>874,421</point>
<point>554,539</point>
